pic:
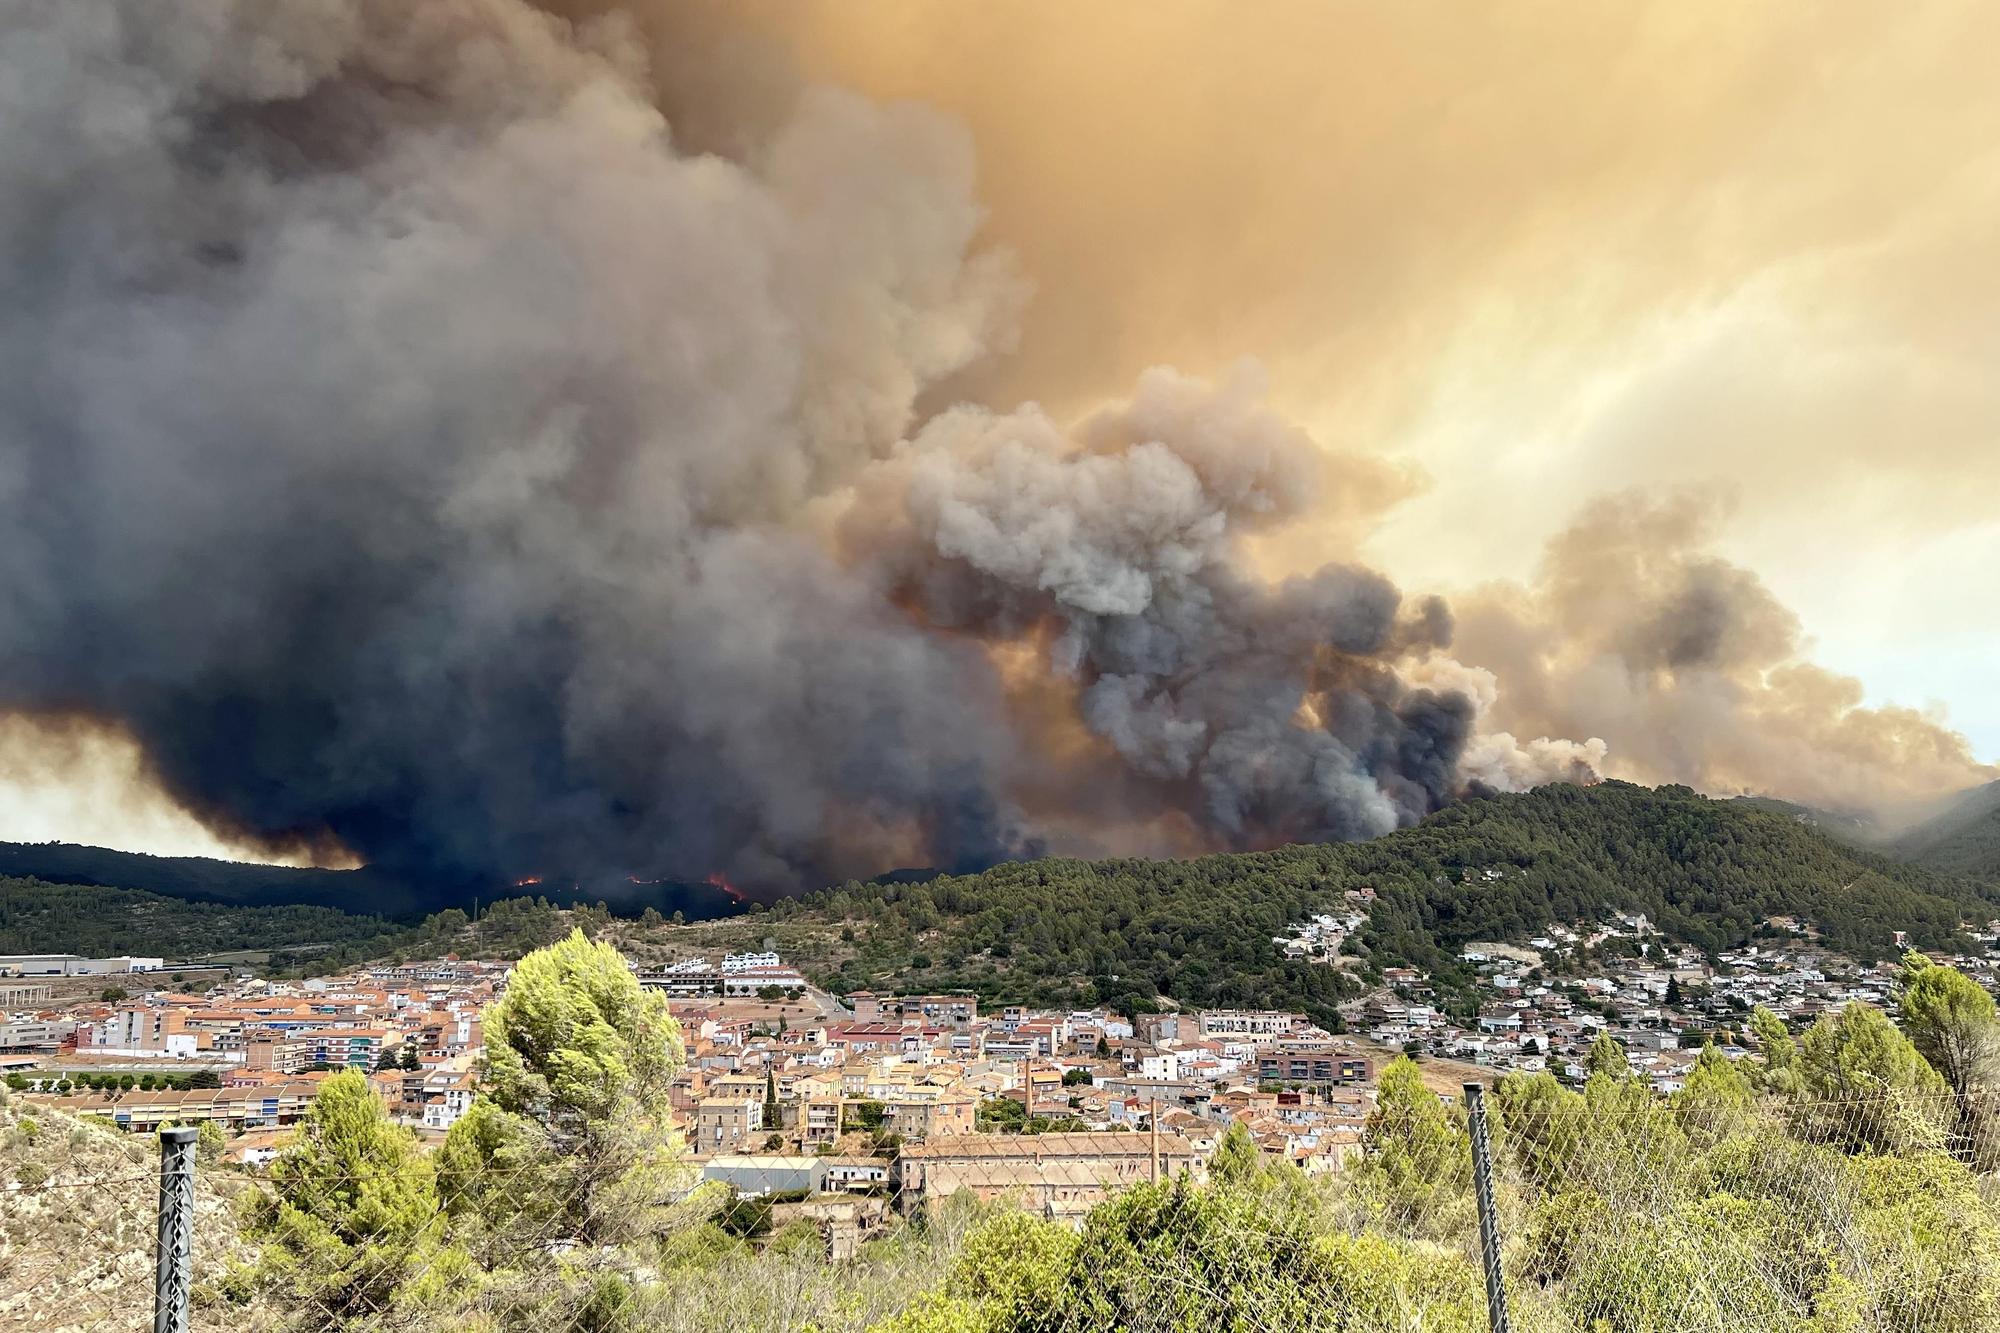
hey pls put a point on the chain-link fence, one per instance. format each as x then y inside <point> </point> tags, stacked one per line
<point>1604,1211</point>
<point>1714,1211</point>
<point>1615,1210</point>
<point>80,1222</point>
<point>357,1225</point>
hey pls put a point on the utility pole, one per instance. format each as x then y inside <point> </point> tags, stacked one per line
<point>1155,1131</point>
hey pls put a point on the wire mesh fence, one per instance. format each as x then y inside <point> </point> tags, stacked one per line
<point>79,1225</point>
<point>1609,1210</point>
<point>356,1227</point>
<point>1713,1211</point>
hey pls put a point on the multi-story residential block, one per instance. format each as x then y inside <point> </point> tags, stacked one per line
<point>815,1121</point>
<point>919,1116</point>
<point>746,962</point>
<point>356,1048</point>
<point>955,1009</point>
<point>30,1033</point>
<point>937,1010</point>
<point>447,1096</point>
<point>1256,1024</point>
<point>1314,1062</point>
<point>747,983</point>
<point>140,1030</point>
<point>726,1124</point>
<point>243,1108</point>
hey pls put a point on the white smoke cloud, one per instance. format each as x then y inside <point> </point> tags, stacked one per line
<point>1633,628</point>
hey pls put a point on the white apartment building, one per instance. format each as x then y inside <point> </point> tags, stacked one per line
<point>745,962</point>
<point>138,1031</point>
<point>744,983</point>
<point>1252,1023</point>
<point>29,1032</point>
<point>447,1096</point>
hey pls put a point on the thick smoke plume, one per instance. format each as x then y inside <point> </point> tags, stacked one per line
<point>410,445</point>
<point>424,446</point>
<point>1262,711</point>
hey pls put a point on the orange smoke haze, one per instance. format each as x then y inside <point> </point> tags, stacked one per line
<point>65,779</point>
<point>1504,261</point>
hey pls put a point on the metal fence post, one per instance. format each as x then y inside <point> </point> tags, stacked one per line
<point>1489,1220</point>
<point>173,1264</point>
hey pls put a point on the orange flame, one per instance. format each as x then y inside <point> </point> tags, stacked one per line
<point>719,882</point>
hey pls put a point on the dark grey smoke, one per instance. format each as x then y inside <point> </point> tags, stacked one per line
<point>406,441</point>
<point>1267,712</point>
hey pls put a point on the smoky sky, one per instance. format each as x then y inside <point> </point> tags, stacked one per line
<point>414,447</point>
<point>1631,627</point>
<point>594,437</point>
<point>1518,258</point>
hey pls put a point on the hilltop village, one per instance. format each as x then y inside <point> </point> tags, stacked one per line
<point>790,1091</point>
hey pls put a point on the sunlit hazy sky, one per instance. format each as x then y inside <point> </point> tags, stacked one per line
<point>1539,252</point>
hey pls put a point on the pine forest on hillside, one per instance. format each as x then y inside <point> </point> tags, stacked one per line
<point>1200,931</point>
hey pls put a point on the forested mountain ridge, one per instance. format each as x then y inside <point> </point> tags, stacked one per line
<point>1957,836</point>
<point>1963,839</point>
<point>1497,867</point>
<point>1705,871</point>
<point>1200,931</point>
<point>38,917</point>
<point>203,879</point>
<point>396,895</point>
<point>1854,830</point>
